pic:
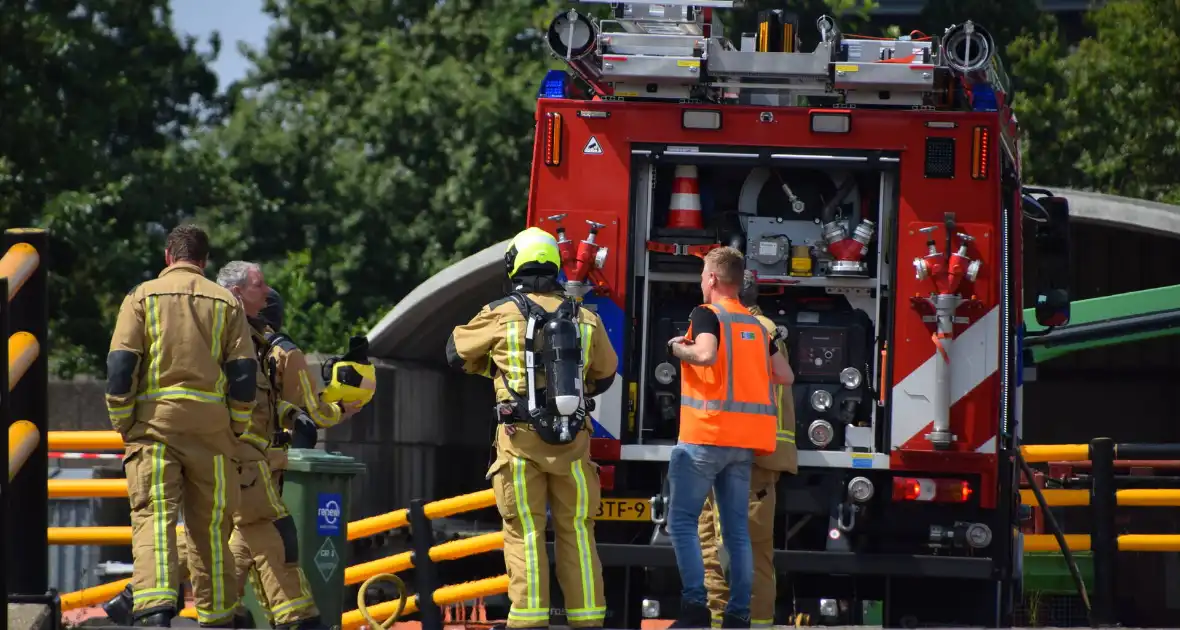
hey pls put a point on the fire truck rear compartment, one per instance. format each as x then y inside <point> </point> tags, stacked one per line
<point>821,237</point>
<point>811,235</point>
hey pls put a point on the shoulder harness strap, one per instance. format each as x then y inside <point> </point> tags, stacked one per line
<point>534,316</point>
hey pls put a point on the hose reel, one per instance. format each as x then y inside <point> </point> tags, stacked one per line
<point>967,47</point>
<point>572,35</point>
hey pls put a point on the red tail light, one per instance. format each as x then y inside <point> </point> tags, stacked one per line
<point>932,490</point>
<point>553,132</point>
<point>605,449</point>
<point>606,477</point>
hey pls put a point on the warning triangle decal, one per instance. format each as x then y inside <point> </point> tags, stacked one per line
<point>592,147</point>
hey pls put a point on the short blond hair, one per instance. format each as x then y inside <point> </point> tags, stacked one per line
<point>729,265</point>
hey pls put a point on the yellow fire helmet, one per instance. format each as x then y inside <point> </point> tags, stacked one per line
<point>351,378</point>
<point>532,248</point>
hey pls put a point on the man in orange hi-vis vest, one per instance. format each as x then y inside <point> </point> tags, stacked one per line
<point>764,478</point>
<point>727,416</point>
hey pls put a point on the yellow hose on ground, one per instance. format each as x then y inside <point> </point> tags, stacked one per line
<point>402,597</point>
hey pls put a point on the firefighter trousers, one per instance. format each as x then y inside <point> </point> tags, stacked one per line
<point>257,578</point>
<point>196,471</point>
<point>762,501</point>
<point>265,547</point>
<point>523,487</point>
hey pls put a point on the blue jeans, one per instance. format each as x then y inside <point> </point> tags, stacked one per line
<point>693,470</point>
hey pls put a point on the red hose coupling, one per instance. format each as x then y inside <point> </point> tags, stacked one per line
<point>585,261</point>
<point>956,270</point>
<point>568,259</point>
<point>848,249</point>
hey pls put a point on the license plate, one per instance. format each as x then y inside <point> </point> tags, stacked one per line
<point>623,510</point>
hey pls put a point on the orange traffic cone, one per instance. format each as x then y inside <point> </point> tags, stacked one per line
<point>685,210</point>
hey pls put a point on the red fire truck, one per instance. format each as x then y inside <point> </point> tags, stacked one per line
<point>874,187</point>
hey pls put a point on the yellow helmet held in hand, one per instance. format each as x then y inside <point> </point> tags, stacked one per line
<point>532,247</point>
<point>350,378</point>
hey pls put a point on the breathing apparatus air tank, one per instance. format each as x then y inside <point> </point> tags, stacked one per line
<point>563,367</point>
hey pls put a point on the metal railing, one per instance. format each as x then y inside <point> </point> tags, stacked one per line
<point>1103,497</point>
<point>24,497</point>
<point>422,558</point>
<point>418,516</point>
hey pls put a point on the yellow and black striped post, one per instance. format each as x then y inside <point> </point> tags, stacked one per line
<point>26,498</point>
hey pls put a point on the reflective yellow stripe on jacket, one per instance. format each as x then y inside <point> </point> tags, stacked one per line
<point>180,393</point>
<point>219,332</point>
<point>785,433</point>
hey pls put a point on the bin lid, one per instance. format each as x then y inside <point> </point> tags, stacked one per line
<point>312,460</point>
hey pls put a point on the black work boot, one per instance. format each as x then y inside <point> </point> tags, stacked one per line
<point>155,618</point>
<point>118,609</point>
<point>693,615</point>
<point>730,620</point>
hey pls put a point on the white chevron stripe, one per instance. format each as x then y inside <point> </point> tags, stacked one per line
<point>607,406</point>
<point>975,355</point>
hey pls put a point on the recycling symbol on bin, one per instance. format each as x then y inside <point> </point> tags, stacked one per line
<point>326,559</point>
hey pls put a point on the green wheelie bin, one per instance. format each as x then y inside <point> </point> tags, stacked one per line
<point>316,492</point>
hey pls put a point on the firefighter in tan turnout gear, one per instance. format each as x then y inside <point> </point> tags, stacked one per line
<point>764,478</point>
<point>264,541</point>
<point>282,357</point>
<point>299,431</point>
<point>543,437</point>
<point>181,375</point>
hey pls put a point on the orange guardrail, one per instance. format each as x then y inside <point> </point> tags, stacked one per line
<point>430,595</point>
<point>451,550</point>
<point>24,327</point>
<point>357,529</point>
<point>1144,497</point>
<point>441,597</point>
<point>87,488</point>
<point>1041,453</point>
<point>92,596</point>
<point>76,441</point>
<point>1103,497</point>
<point>100,536</point>
<point>121,535</point>
<point>1126,542</point>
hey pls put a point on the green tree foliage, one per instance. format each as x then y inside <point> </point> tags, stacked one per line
<point>1106,116</point>
<point>389,140</point>
<point>318,326</point>
<point>374,142</point>
<point>97,96</point>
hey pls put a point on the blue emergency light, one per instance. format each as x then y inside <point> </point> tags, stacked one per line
<point>554,85</point>
<point>983,98</point>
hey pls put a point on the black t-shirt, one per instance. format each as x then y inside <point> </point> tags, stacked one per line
<point>704,320</point>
